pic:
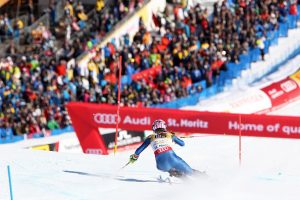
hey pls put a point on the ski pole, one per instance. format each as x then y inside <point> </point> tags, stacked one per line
<point>186,136</point>
<point>189,136</point>
<point>192,136</point>
<point>126,165</point>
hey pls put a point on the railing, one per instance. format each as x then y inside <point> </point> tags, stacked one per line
<point>45,20</point>
<point>59,10</point>
<point>90,16</point>
<point>23,18</point>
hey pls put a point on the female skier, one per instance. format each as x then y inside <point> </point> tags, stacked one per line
<point>166,159</point>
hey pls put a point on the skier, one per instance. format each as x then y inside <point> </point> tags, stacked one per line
<point>166,159</point>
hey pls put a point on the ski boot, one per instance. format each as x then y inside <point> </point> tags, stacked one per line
<point>175,173</point>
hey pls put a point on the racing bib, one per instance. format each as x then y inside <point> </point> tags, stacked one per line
<point>161,143</point>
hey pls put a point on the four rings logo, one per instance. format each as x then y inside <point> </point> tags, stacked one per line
<point>106,118</point>
<point>288,86</point>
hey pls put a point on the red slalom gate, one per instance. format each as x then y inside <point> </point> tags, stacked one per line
<point>87,118</point>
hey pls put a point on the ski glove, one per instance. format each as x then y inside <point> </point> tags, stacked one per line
<point>133,158</point>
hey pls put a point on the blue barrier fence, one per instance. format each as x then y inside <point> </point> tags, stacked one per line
<point>11,138</point>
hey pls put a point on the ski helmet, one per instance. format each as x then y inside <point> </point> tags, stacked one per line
<point>159,124</point>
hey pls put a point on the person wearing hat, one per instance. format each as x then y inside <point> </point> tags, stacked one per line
<point>166,159</point>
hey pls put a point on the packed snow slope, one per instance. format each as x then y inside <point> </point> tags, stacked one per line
<point>269,170</point>
<point>292,109</point>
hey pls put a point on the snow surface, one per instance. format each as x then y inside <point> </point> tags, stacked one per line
<point>292,109</point>
<point>269,170</point>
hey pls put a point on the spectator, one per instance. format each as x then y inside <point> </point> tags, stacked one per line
<point>69,10</point>
<point>30,12</point>
<point>293,8</point>
<point>52,124</point>
<point>261,46</point>
<point>99,5</point>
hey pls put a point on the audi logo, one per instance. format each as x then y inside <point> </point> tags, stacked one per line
<point>105,118</point>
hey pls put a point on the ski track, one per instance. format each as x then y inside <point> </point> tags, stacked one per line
<point>269,170</point>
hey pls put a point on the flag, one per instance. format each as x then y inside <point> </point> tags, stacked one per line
<point>155,20</point>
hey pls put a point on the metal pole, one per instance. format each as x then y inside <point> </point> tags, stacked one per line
<point>118,108</point>
<point>10,183</point>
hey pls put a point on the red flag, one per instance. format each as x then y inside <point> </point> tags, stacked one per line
<point>155,20</point>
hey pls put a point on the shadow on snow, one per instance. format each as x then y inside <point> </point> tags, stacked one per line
<point>119,178</point>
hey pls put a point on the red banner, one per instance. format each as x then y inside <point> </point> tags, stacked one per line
<point>87,118</point>
<point>88,135</point>
<point>145,74</point>
<point>282,91</point>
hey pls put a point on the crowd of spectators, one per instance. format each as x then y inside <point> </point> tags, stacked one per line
<point>35,83</point>
<point>60,31</point>
<point>187,46</point>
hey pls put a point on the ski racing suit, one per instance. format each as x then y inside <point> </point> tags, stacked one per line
<point>166,159</point>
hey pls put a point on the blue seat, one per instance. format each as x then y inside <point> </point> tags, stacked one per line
<point>255,54</point>
<point>298,16</point>
<point>244,57</point>
<point>202,95</point>
<point>228,83</point>
<point>244,61</point>
<point>212,90</point>
<point>6,134</point>
<point>234,70</point>
<point>37,135</point>
<point>269,34</point>
<point>267,45</point>
<point>202,83</point>
<point>275,35</point>
<point>18,138</point>
<point>292,21</point>
<point>283,29</point>
<point>231,68</point>
<point>2,133</point>
<point>221,80</point>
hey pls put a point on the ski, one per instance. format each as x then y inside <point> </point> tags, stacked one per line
<point>160,179</point>
<point>198,173</point>
<point>168,179</point>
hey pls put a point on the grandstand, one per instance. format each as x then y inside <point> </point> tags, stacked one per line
<point>173,54</point>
